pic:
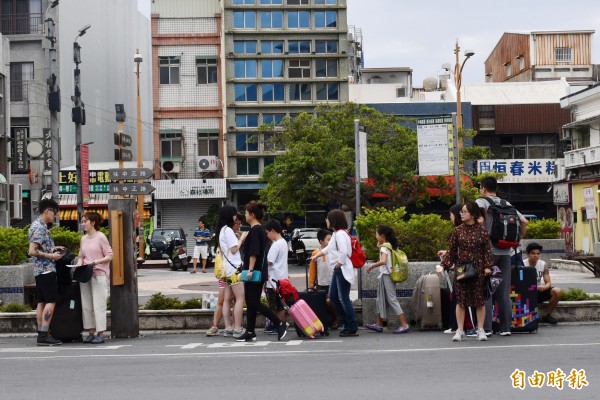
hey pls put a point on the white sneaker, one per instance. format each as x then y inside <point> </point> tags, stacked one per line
<point>505,333</point>
<point>449,330</point>
<point>458,336</point>
<point>481,335</point>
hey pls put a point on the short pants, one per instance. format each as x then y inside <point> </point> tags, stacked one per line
<point>46,288</point>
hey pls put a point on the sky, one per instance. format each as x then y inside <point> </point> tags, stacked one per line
<point>421,34</point>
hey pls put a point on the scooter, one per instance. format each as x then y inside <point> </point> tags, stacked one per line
<point>178,258</point>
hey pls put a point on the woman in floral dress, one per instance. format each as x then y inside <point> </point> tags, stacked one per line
<point>470,242</point>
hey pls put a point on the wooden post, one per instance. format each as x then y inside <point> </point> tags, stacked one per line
<point>116,242</point>
<point>124,298</point>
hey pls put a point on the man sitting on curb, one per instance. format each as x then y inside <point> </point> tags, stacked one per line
<point>545,290</point>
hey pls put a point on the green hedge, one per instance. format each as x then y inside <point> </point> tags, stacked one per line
<point>420,237</point>
<point>13,245</point>
<point>543,229</point>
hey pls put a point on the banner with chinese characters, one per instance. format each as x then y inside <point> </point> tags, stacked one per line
<point>21,159</point>
<point>99,182</point>
<point>434,137</point>
<point>524,170</point>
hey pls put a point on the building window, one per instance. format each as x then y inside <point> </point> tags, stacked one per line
<point>273,2</point>
<point>508,69</point>
<point>273,118</point>
<point>327,91</point>
<point>299,46</point>
<point>299,69</point>
<point>271,19</point>
<point>246,142</point>
<point>272,92</point>
<point>400,92</point>
<point>325,19</point>
<point>20,76</point>
<point>326,68</point>
<point>245,92</point>
<point>244,19</point>
<point>169,70</point>
<point>326,46</point>
<point>247,166</point>
<point>268,161</point>
<point>207,70</point>
<point>297,2</point>
<point>21,17</point>
<point>300,92</point>
<point>170,145</point>
<point>242,2</point>
<point>208,143</point>
<point>246,120</point>
<point>298,19</point>
<point>328,2</point>
<point>562,54</point>
<point>269,145</point>
<point>245,68</point>
<point>244,46</point>
<point>271,46</point>
<point>271,68</point>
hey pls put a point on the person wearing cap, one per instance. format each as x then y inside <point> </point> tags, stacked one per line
<point>544,286</point>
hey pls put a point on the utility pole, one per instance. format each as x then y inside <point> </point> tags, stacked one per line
<point>78,117</point>
<point>53,101</point>
<point>137,58</point>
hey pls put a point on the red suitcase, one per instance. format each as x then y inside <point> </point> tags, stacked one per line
<point>305,319</point>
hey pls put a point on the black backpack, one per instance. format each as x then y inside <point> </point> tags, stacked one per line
<point>505,231</point>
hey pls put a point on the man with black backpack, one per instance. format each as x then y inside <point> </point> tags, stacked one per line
<point>506,227</point>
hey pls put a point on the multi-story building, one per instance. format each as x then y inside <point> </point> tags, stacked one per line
<point>542,56</point>
<point>188,111</point>
<point>282,58</point>
<point>4,134</point>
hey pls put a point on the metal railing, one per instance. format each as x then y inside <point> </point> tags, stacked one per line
<point>21,24</point>
<point>19,91</point>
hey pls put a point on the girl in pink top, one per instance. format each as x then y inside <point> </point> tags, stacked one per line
<point>94,250</point>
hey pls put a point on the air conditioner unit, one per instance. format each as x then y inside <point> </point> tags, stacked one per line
<point>560,173</point>
<point>16,201</point>
<point>207,163</point>
<point>566,134</point>
<point>171,166</point>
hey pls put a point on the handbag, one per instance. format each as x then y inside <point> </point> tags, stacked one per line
<point>219,269</point>
<point>492,282</point>
<point>84,273</point>
<point>466,272</point>
<point>256,276</point>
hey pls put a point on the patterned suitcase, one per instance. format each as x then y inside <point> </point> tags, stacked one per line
<point>523,297</point>
<point>306,319</point>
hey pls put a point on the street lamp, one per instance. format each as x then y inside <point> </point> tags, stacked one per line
<point>78,117</point>
<point>137,58</point>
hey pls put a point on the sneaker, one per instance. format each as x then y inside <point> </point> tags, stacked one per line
<point>247,337</point>
<point>481,335</point>
<point>88,338</point>
<point>458,336</point>
<point>549,319</point>
<point>488,332</point>
<point>471,333</point>
<point>348,332</point>
<point>282,330</point>
<point>237,334</point>
<point>97,339</point>
<point>449,330</point>
<point>375,327</point>
<point>213,331</point>
<point>228,333</point>
<point>47,340</point>
<point>402,329</point>
<point>504,333</point>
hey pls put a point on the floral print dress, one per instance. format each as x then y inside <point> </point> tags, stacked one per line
<point>469,243</point>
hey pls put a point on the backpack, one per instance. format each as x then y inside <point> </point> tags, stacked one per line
<point>287,291</point>
<point>358,257</point>
<point>505,231</point>
<point>399,272</point>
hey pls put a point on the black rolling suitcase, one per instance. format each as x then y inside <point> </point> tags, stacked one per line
<point>317,301</point>
<point>523,296</point>
<point>67,322</point>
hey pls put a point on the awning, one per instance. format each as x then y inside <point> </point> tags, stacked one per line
<point>70,214</point>
<point>247,185</point>
<point>581,122</point>
<point>96,199</point>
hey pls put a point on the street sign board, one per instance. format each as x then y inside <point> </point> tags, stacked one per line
<point>126,140</point>
<point>130,173</point>
<point>123,155</point>
<point>120,189</point>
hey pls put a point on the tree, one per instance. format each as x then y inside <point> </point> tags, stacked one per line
<point>318,164</point>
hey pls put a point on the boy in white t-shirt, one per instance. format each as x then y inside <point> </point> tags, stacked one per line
<point>277,260</point>
<point>544,286</point>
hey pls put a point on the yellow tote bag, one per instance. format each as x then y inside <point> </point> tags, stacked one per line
<point>219,269</point>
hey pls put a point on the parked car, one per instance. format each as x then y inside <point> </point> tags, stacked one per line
<point>531,217</point>
<point>169,244</point>
<point>304,241</point>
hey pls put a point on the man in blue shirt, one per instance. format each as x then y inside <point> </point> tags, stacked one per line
<point>202,236</point>
<point>43,251</point>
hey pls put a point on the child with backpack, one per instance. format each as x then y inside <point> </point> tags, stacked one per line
<point>386,291</point>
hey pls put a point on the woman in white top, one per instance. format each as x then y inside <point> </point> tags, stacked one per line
<point>338,253</point>
<point>229,246</point>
